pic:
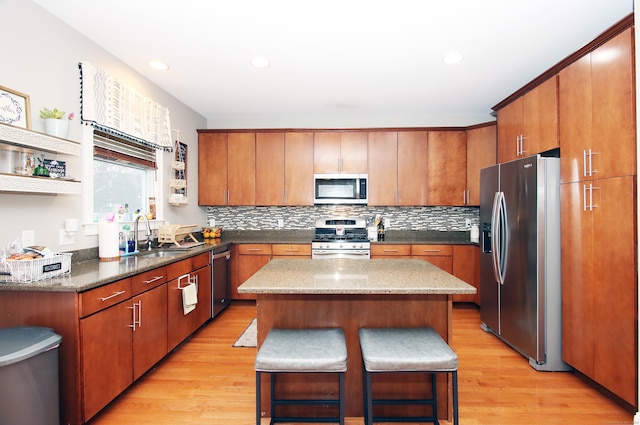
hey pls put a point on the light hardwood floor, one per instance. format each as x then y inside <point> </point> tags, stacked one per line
<point>207,381</point>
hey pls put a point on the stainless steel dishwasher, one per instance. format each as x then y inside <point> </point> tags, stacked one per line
<point>220,274</point>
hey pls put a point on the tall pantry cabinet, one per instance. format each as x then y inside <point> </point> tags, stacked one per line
<point>598,152</point>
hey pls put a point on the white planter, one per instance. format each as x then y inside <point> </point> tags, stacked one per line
<point>56,127</point>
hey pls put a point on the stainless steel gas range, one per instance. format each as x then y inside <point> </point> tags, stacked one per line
<point>342,237</point>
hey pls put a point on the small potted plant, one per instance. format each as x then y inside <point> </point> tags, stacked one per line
<point>54,122</point>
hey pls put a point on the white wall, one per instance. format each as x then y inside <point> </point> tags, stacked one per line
<point>39,57</point>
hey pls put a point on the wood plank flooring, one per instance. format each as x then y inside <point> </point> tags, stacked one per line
<point>207,381</point>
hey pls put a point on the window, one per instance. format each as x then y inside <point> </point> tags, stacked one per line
<point>123,175</point>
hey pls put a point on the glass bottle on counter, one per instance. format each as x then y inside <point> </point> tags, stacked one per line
<point>380,231</point>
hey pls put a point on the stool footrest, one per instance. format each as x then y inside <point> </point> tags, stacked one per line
<point>293,402</point>
<point>396,402</point>
<point>404,420</point>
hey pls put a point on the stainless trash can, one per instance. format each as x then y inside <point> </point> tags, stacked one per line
<point>29,376</point>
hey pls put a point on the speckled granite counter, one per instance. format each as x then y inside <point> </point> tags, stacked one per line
<point>90,274</point>
<point>341,276</point>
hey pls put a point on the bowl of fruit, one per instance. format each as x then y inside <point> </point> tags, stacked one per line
<point>211,232</point>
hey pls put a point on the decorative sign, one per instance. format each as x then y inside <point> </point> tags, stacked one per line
<point>14,108</point>
<point>56,168</point>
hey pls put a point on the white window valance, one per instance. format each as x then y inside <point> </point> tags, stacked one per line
<point>112,107</point>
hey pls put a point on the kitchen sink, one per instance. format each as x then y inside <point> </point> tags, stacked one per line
<point>159,254</point>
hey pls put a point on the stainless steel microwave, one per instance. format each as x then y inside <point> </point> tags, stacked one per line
<point>340,189</point>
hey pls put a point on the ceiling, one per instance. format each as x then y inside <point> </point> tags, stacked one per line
<point>341,63</point>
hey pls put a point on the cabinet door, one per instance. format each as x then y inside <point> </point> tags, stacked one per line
<point>270,169</point>
<point>509,130</point>
<point>247,259</point>
<point>353,152</point>
<point>465,259</point>
<point>202,313</point>
<point>212,169</point>
<point>383,167</point>
<point>150,330</point>
<point>241,171</point>
<point>326,152</point>
<point>412,168</point>
<point>540,118</point>
<point>438,255</point>
<point>577,279</point>
<point>107,361</point>
<point>179,325</point>
<point>481,153</point>
<point>447,180</point>
<point>615,287</point>
<point>575,108</point>
<point>298,171</point>
<point>613,134</point>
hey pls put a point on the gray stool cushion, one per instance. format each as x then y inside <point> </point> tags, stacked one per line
<point>406,350</point>
<point>303,350</point>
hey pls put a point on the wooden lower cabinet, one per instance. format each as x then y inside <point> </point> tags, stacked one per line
<point>281,251</point>
<point>438,255</point>
<point>466,266</point>
<point>599,288</point>
<point>106,346</point>
<point>246,260</point>
<point>181,325</point>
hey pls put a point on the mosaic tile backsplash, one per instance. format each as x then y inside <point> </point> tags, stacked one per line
<point>400,218</point>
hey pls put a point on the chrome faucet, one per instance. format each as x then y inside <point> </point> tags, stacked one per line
<point>148,232</point>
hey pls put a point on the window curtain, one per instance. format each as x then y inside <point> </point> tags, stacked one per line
<point>114,108</point>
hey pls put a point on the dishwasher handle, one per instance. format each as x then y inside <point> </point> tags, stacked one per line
<point>225,254</point>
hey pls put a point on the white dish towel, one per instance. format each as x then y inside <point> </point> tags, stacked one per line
<point>189,298</point>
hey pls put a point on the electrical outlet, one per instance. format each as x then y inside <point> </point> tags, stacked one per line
<point>67,238</point>
<point>212,222</point>
<point>387,223</point>
<point>28,238</point>
<point>467,223</point>
<point>280,222</point>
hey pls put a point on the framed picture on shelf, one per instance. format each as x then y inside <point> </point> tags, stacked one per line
<point>14,108</point>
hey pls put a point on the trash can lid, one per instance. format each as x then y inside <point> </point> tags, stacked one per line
<point>23,342</point>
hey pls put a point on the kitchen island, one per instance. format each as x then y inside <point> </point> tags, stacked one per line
<point>352,294</point>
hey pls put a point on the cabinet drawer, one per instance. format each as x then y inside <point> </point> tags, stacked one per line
<point>200,260</point>
<point>439,250</point>
<point>105,296</point>
<point>291,249</point>
<point>254,249</point>
<point>179,268</point>
<point>386,249</point>
<point>148,280</point>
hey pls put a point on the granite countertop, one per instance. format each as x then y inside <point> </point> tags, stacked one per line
<point>342,276</point>
<point>88,273</point>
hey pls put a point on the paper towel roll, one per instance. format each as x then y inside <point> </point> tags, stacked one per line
<point>475,233</point>
<point>108,240</point>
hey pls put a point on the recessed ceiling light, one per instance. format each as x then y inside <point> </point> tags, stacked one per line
<point>160,66</point>
<point>453,57</point>
<point>260,62</point>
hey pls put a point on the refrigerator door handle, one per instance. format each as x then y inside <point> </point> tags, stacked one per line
<point>499,239</point>
<point>495,230</point>
<point>503,239</point>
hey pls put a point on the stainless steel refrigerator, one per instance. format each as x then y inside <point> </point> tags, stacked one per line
<point>520,272</point>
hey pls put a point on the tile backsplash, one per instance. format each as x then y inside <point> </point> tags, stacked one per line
<point>400,218</point>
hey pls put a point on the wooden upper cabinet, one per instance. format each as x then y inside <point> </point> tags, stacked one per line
<point>447,168</point>
<point>226,169</point>
<point>383,167</point>
<point>212,169</point>
<point>340,152</point>
<point>298,171</point>
<point>412,168</point>
<point>529,124</point>
<point>597,113</point>
<point>270,168</point>
<point>241,172</point>
<point>481,153</point>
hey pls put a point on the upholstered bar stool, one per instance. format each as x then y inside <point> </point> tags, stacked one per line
<point>302,351</point>
<point>406,350</point>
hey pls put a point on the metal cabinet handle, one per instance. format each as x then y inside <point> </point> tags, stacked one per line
<point>115,294</point>
<point>390,250</point>
<point>139,321</point>
<point>180,281</point>
<point>146,282</point>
